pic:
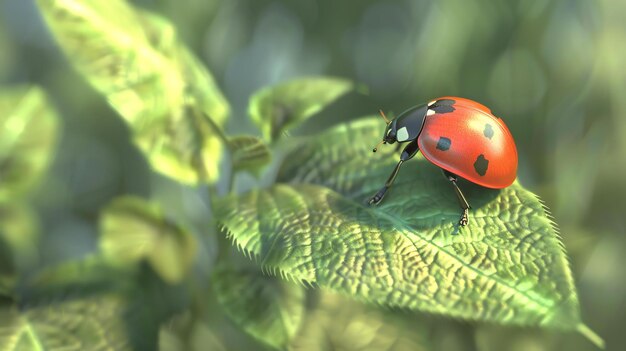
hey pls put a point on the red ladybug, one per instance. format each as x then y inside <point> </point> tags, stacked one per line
<point>460,136</point>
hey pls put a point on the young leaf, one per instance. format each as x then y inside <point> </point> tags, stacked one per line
<point>338,323</point>
<point>265,307</point>
<point>95,323</point>
<point>27,138</point>
<point>248,153</point>
<point>133,229</point>
<point>166,96</point>
<point>278,108</point>
<point>91,270</point>
<point>506,266</point>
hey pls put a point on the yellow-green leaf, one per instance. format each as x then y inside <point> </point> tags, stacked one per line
<point>277,108</point>
<point>506,266</point>
<point>265,307</point>
<point>134,58</point>
<point>28,135</point>
<point>133,229</point>
<point>248,153</point>
<point>183,333</point>
<point>95,323</point>
<point>338,323</point>
<point>92,269</point>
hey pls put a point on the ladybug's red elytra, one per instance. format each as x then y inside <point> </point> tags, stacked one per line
<point>460,136</point>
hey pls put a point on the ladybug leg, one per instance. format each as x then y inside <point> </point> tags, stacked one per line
<point>459,194</point>
<point>409,151</point>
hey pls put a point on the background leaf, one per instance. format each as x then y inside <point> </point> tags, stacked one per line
<point>7,269</point>
<point>91,270</point>
<point>81,324</point>
<point>265,307</point>
<point>133,229</point>
<point>506,266</point>
<point>19,237</point>
<point>101,308</point>
<point>248,153</point>
<point>339,323</point>
<point>27,139</point>
<point>183,333</point>
<point>166,96</point>
<point>276,109</point>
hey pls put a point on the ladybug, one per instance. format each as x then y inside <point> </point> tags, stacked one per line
<point>460,136</point>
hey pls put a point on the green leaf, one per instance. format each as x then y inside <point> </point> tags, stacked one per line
<point>7,270</point>
<point>265,307</point>
<point>248,153</point>
<point>27,139</point>
<point>133,229</point>
<point>95,323</point>
<point>506,266</point>
<point>338,323</point>
<point>278,108</point>
<point>184,333</point>
<point>169,100</point>
<point>19,235</point>
<point>88,305</point>
<point>91,270</point>
<point>20,229</point>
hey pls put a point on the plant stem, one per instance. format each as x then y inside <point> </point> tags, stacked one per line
<point>591,336</point>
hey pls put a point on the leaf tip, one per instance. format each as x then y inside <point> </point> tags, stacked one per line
<point>590,335</point>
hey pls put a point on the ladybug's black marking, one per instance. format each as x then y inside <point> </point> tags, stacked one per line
<point>440,109</point>
<point>481,165</point>
<point>488,132</point>
<point>444,143</point>
<point>443,106</point>
<point>448,102</point>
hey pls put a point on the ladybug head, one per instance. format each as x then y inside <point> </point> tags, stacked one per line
<point>390,134</point>
<point>405,127</point>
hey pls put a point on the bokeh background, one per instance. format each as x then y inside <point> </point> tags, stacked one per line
<point>553,70</point>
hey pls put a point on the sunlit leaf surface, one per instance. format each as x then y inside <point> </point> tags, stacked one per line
<point>278,108</point>
<point>95,323</point>
<point>162,91</point>
<point>133,229</point>
<point>339,323</point>
<point>248,153</point>
<point>506,266</point>
<point>265,307</point>
<point>28,133</point>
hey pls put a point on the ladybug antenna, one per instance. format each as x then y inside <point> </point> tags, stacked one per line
<point>382,114</point>
<point>377,145</point>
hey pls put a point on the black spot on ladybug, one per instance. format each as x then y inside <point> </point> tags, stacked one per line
<point>481,165</point>
<point>443,106</point>
<point>488,132</point>
<point>444,143</point>
<point>448,102</point>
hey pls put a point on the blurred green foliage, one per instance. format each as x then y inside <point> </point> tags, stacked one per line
<point>132,230</point>
<point>116,101</point>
